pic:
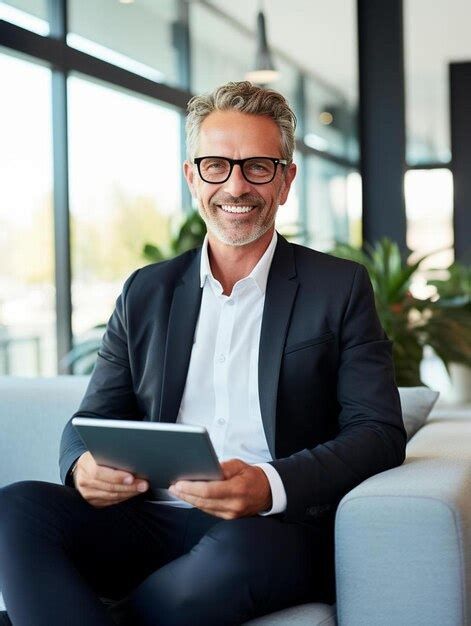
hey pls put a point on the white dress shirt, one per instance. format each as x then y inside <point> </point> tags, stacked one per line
<point>221,390</point>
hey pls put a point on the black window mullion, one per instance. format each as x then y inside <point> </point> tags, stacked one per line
<point>300,108</point>
<point>58,25</point>
<point>182,43</point>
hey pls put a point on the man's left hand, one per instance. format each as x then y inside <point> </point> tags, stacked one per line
<point>244,491</point>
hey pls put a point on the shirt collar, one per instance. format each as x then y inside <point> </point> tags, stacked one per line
<point>259,274</point>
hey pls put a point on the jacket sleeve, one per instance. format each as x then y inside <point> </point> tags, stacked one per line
<point>372,437</point>
<point>110,391</point>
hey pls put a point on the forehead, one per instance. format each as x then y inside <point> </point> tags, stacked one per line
<point>238,135</point>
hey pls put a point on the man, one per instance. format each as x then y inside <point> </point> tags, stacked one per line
<point>277,350</point>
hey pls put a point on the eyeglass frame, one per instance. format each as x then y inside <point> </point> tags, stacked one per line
<point>240,163</point>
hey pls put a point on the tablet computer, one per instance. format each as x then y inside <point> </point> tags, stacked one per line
<point>159,452</point>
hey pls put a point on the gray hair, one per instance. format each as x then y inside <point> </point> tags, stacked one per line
<point>245,97</point>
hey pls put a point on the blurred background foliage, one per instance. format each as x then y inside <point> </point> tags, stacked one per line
<point>442,321</point>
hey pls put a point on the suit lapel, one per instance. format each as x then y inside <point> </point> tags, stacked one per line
<point>183,316</point>
<point>279,300</point>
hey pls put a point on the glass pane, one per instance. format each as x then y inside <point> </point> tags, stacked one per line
<point>429,210</point>
<point>125,188</point>
<point>29,14</point>
<point>224,56</point>
<point>435,34</point>
<point>135,36</point>
<point>288,219</point>
<point>287,82</point>
<point>331,124</point>
<point>27,293</point>
<point>334,204</point>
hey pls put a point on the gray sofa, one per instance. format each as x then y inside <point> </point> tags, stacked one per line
<point>403,537</point>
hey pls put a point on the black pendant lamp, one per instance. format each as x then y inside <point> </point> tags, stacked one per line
<point>264,71</point>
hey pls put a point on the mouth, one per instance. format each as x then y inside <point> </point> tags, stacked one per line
<point>236,208</point>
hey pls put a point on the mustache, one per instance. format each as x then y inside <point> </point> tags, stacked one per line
<point>244,200</point>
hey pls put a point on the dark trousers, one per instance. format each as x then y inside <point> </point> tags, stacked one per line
<point>169,566</point>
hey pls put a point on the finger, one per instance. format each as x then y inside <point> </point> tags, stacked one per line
<point>216,489</point>
<point>232,467</point>
<point>99,503</point>
<point>105,497</point>
<point>113,497</point>
<point>208,503</point>
<point>139,486</point>
<point>217,511</point>
<point>110,475</point>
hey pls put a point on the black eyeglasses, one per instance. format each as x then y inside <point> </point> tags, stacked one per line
<point>256,170</point>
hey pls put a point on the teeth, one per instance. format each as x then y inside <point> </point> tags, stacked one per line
<point>230,208</point>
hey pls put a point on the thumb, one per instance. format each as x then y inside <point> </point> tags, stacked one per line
<point>232,467</point>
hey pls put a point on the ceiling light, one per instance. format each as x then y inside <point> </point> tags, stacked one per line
<point>326,118</point>
<point>264,70</point>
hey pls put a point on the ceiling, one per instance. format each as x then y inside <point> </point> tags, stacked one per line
<point>321,36</point>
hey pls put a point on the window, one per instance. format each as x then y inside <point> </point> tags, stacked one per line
<point>288,218</point>
<point>220,52</point>
<point>334,204</point>
<point>27,294</point>
<point>136,36</point>
<point>124,191</point>
<point>29,14</point>
<point>435,34</point>
<point>330,122</point>
<point>429,210</point>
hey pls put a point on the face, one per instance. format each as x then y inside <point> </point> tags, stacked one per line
<point>238,135</point>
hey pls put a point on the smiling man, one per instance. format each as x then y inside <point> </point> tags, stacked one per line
<point>277,350</point>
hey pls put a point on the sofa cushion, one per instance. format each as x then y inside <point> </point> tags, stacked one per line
<point>312,614</point>
<point>416,403</point>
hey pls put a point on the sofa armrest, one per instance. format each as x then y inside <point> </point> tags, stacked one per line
<point>403,537</point>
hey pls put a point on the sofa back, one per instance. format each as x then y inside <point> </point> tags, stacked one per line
<point>33,413</point>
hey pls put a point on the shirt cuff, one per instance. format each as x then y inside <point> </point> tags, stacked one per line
<point>278,493</point>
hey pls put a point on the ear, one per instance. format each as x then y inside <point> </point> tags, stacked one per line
<point>189,172</point>
<point>289,176</point>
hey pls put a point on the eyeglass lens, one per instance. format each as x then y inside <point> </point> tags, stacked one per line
<point>217,170</point>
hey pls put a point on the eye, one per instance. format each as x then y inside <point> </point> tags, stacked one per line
<point>259,167</point>
<point>214,165</point>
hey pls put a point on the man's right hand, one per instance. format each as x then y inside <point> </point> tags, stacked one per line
<point>102,486</point>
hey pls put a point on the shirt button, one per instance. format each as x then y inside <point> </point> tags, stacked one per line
<point>230,302</point>
<point>221,421</point>
<point>221,358</point>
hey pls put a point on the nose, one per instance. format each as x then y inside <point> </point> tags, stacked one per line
<point>236,185</point>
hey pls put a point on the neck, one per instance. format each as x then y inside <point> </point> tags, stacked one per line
<point>232,263</point>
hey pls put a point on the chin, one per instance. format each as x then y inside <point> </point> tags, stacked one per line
<point>234,238</point>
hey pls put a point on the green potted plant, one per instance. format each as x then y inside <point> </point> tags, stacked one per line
<point>457,286</point>
<point>412,323</point>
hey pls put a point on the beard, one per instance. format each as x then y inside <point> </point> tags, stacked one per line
<point>240,230</point>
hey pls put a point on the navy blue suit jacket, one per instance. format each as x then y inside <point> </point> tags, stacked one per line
<point>328,398</point>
